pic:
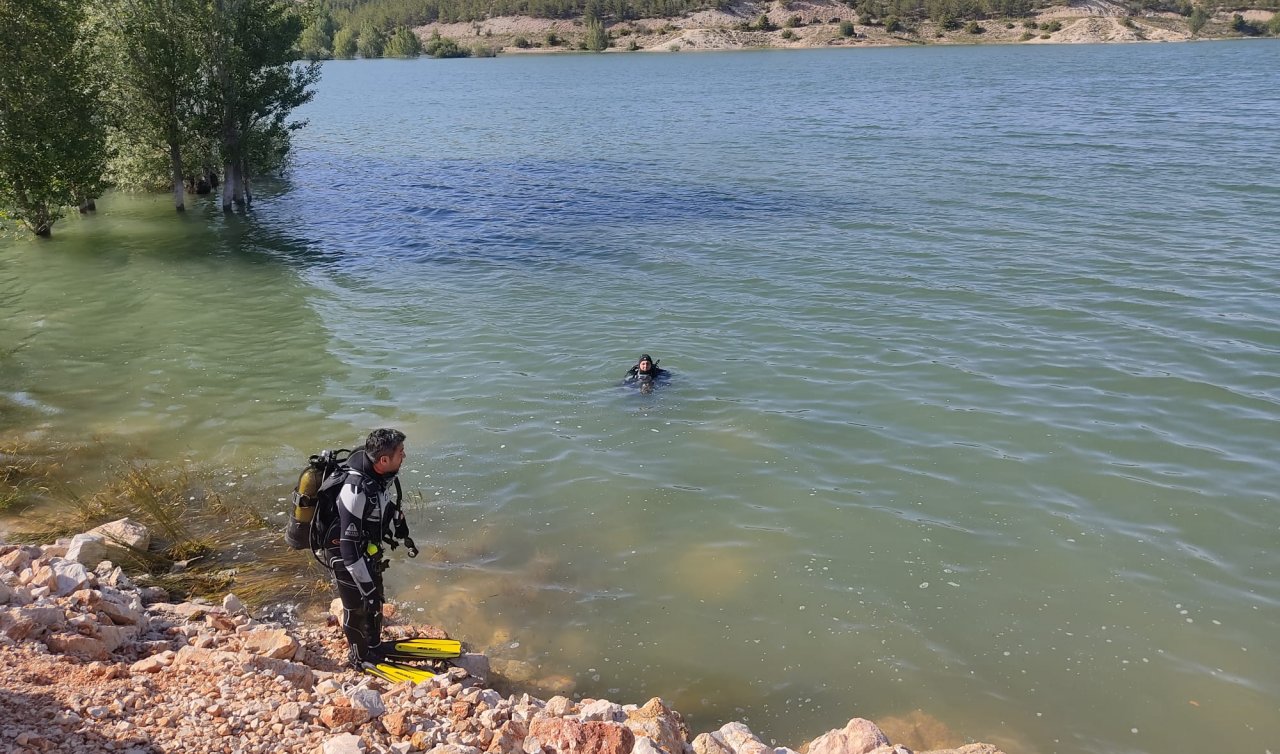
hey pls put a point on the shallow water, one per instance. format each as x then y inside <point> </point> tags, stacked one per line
<point>974,355</point>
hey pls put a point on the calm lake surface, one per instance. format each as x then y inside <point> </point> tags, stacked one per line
<point>975,404</point>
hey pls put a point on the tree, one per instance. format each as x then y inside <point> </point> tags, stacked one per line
<point>1197,19</point>
<point>403,44</point>
<point>52,143</point>
<point>372,41</point>
<point>444,47</point>
<point>315,43</point>
<point>254,86</point>
<point>155,48</point>
<point>597,37</point>
<point>344,44</point>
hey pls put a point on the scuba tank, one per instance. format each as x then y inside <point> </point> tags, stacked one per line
<point>306,494</point>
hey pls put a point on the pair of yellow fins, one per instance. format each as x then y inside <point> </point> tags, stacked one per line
<point>392,654</point>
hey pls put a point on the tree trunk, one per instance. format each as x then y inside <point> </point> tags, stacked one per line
<point>228,185</point>
<point>244,184</point>
<point>88,205</point>
<point>237,185</point>
<point>40,221</point>
<point>175,159</point>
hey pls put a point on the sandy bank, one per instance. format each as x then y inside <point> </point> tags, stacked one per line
<point>1082,21</point>
<point>93,662</point>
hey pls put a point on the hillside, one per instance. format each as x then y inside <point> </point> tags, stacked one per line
<point>825,23</point>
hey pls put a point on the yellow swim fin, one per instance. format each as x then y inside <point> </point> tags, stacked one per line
<point>419,648</point>
<point>397,673</point>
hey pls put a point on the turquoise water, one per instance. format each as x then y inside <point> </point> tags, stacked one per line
<point>975,383</point>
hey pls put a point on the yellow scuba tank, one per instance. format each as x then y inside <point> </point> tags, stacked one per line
<point>298,532</point>
<point>304,494</point>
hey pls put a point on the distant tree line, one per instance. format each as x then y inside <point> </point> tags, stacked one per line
<point>143,94</point>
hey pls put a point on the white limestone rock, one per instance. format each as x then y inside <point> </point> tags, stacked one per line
<point>708,743</point>
<point>476,665</point>
<point>602,710</point>
<point>859,736</point>
<point>126,532</point>
<point>645,745</point>
<point>233,605</point>
<point>343,743</point>
<point>88,549</point>
<point>369,700</point>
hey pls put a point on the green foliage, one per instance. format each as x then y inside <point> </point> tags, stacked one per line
<point>403,44</point>
<point>793,22</point>
<point>522,43</point>
<point>892,24</point>
<point>158,90</point>
<point>444,47</point>
<point>764,24</point>
<point>846,29</point>
<point>1025,36</point>
<point>973,27</point>
<point>388,14</point>
<point>1051,27</point>
<point>1273,26</point>
<point>632,46</point>
<point>1198,18</point>
<point>1128,23</point>
<point>597,37</point>
<point>344,44</point>
<point>788,34</point>
<point>52,144</point>
<point>1008,8</point>
<point>372,41</point>
<point>315,43</point>
<point>552,39</point>
<point>255,86</point>
<point>484,51</point>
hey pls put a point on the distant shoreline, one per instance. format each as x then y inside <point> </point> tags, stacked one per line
<point>808,24</point>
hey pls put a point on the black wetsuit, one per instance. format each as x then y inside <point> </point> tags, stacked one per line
<point>365,510</point>
<point>635,375</point>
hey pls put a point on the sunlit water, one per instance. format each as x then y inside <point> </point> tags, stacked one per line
<point>975,390</point>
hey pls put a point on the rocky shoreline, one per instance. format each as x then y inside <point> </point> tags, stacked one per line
<point>93,662</point>
<point>818,24</point>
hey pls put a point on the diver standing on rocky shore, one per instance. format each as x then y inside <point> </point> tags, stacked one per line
<point>365,510</point>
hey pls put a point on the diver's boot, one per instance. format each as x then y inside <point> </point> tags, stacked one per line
<point>354,660</point>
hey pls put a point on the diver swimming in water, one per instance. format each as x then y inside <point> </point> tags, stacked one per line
<point>645,374</point>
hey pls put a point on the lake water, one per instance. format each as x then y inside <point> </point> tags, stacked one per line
<point>975,400</point>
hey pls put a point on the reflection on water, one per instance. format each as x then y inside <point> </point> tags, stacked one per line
<point>963,420</point>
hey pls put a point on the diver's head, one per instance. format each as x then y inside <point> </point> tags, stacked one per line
<point>385,448</point>
<point>645,365</point>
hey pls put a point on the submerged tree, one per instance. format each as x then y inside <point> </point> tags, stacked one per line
<point>403,44</point>
<point>52,146</point>
<point>315,43</point>
<point>156,46</point>
<point>254,86</point>
<point>344,44</point>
